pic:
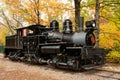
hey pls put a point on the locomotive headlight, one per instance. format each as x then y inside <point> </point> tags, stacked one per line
<point>91,24</point>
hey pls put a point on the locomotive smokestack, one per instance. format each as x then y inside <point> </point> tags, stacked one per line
<point>81,23</point>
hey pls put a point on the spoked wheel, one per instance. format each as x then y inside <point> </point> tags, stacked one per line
<point>14,56</point>
<point>11,56</point>
<point>75,66</point>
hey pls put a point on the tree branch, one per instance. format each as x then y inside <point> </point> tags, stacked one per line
<point>7,22</point>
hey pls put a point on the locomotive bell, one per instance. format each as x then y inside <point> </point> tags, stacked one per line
<point>54,24</point>
<point>67,26</point>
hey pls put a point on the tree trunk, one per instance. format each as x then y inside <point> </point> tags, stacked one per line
<point>38,12</point>
<point>77,13</point>
<point>97,22</point>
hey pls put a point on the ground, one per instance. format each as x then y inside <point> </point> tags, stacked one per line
<point>10,70</point>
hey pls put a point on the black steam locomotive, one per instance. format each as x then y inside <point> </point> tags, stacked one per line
<point>63,49</point>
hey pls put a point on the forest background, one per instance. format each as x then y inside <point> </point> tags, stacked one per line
<point>21,13</point>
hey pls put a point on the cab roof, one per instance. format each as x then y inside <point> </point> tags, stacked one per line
<point>32,27</point>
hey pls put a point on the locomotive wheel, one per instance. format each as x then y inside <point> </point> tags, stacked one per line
<point>75,66</point>
<point>11,56</point>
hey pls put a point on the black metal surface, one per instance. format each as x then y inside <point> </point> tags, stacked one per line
<point>13,42</point>
<point>78,38</point>
<point>51,49</point>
